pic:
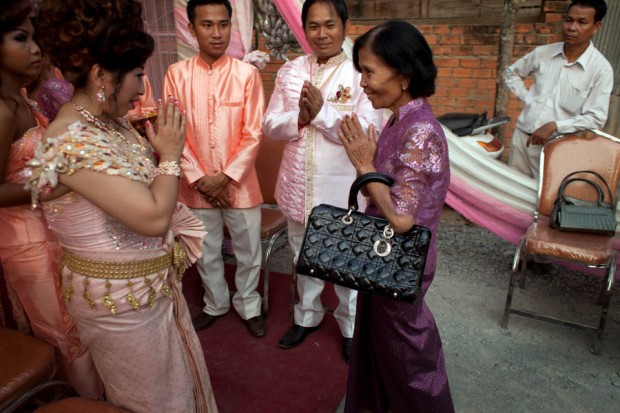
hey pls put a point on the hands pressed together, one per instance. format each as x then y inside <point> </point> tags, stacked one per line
<point>360,148</point>
<point>168,142</point>
<point>310,103</point>
<point>169,139</point>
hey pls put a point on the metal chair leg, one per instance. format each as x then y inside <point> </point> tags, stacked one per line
<point>293,289</point>
<point>597,345</point>
<point>266,272</point>
<point>513,279</point>
<point>523,275</point>
<point>511,288</point>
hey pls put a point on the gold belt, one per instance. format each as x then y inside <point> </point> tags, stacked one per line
<point>111,270</point>
<point>116,270</point>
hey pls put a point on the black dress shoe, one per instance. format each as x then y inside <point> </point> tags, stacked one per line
<point>256,326</point>
<point>203,321</point>
<point>347,343</point>
<point>295,336</point>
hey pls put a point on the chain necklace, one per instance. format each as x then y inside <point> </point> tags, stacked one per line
<point>109,129</point>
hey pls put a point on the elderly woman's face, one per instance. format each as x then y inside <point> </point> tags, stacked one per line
<point>385,87</point>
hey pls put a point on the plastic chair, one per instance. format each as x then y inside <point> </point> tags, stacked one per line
<point>561,156</point>
<point>27,366</point>
<point>273,223</point>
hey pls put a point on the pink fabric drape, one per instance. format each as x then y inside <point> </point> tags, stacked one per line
<point>290,10</point>
<point>483,210</point>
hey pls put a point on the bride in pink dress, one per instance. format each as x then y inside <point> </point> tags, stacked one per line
<point>28,251</point>
<point>125,241</point>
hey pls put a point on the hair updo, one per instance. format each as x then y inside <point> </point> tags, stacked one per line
<point>12,14</point>
<point>77,34</point>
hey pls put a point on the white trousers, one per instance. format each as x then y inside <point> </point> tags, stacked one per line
<point>244,227</point>
<point>522,158</point>
<point>309,310</point>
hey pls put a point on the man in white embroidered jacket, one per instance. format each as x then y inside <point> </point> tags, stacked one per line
<point>571,90</point>
<point>312,94</point>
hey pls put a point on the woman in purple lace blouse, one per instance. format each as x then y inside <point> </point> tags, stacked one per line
<point>397,362</point>
<point>50,91</point>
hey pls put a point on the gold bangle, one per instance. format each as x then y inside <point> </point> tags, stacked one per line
<point>168,168</point>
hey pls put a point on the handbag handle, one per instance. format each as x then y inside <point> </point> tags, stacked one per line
<point>364,179</point>
<point>566,181</point>
<point>601,196</point>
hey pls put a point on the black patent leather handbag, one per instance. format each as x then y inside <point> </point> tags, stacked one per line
<point>358,251</point>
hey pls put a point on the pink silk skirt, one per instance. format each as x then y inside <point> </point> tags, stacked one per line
<point>149,358</point>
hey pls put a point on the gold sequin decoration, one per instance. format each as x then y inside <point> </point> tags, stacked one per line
<point>107,300</point>
<point>165,288</point>
<point>152,293</point>
<point>131,299</point>
<point>68,293</point>
<point>178,259</point>
<point>87,296</point>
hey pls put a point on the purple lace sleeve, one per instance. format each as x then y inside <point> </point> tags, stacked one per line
<point>419,158</point>
<point>53,94</point>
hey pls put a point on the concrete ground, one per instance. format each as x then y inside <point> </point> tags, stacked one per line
<point>533,366</point>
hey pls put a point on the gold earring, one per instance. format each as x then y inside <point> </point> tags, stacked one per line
<point>100,95</point>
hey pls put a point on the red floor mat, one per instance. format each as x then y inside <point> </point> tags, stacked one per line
<point>254,375</point>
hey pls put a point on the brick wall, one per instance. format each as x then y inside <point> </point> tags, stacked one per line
<point>466,59</point>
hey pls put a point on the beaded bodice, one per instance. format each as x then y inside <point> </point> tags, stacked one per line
<point>75,221</point>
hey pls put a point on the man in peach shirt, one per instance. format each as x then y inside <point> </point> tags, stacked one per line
<point>224,99</point>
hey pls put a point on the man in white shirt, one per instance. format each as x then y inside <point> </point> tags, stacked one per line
<point>312,95</point>
<point>572,85</point>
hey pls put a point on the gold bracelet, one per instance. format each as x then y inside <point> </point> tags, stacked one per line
<point>168,168</point>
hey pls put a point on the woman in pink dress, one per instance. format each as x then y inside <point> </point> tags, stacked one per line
<point>125,241</point>
<point>28,251</point>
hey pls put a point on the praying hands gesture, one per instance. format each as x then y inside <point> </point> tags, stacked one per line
<point>360,148</point>
<point>169,138</point>
<point>310,103</point>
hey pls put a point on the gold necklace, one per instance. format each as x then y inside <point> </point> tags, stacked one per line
<point>109,129</point>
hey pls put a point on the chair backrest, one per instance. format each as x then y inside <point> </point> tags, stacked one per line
<point>267,167</point>
<point>571,153</point>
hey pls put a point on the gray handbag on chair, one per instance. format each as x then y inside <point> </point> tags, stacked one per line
<point>575,215</point>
